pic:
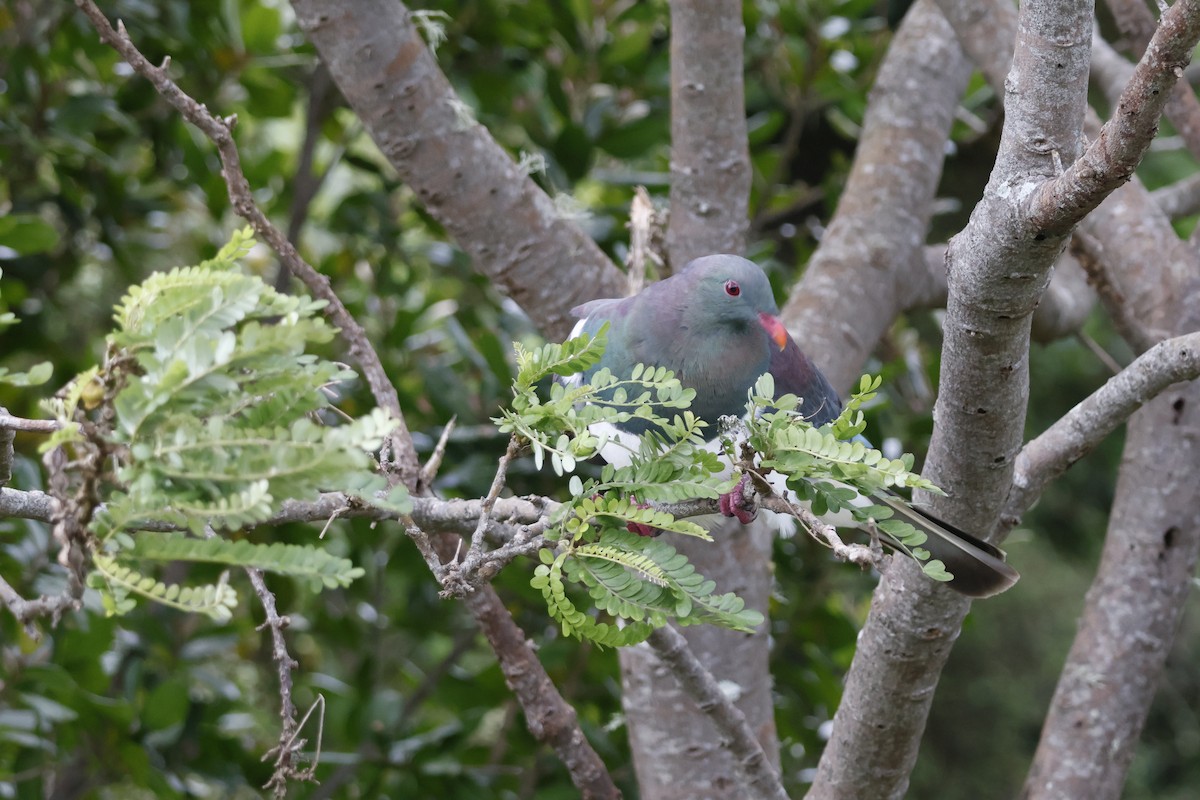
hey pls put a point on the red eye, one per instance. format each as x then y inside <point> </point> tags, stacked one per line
<point>732,289</point>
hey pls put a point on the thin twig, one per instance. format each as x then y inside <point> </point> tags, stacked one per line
<point>430,470</point>
<point>9,422</point>
<point>514,445</point>
<point>1102,355</point>
<point>26,611</point>
<point>286,752</point>
<point>425,548</point>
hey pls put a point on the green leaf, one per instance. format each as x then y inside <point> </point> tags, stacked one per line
<point>321,569</point>
<point>27,234</point>
<point>216,601</point>
<point>36,376</point>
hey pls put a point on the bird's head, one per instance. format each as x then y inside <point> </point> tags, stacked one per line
<point>731,292</point>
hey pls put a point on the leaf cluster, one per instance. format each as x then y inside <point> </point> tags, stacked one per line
<point>211,413</point>
<point>644,581</point>
<point>833,467</point>
<point>641,580</point>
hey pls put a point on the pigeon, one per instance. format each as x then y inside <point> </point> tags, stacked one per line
<point>715,325</point>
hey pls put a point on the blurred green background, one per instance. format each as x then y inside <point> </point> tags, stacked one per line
<point>102,183</point>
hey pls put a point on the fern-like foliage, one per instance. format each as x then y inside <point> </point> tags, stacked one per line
<point>642,581</point>
<point>214,413</point>
<point>118,582</point>
<point>319,568</point>
<point>832,467</point>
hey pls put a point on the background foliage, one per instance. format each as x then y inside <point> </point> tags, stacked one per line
<point>103,183</point>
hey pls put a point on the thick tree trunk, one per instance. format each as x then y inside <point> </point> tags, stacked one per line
<point>1133,608</point>
<point>863,271</point>
<point>710,156</point>
<point>465,180</point>
<point>676,750</point>
<point>998,268</point>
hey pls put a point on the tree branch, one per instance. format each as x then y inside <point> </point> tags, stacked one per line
<point>1073,436</point>
<point>710,155</point>
<point>1133,608</point>
<point>26,611</point>
<point>728,719</point>
<point>1182,108</point>
<point>549,717</point>
<point>465,180</point>
<point>1179,199</point>
<point>11,423</point>
<point>997,273</point>
<point>1111,159</point>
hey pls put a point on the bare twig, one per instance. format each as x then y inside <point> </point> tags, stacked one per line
<point>645,239</point>
<point>729,720</point>
<point>476,549</point>
<point>430,469</point>
<point>826,534</point>
<point>287,751</point>
<point>11,423</point>
<point>26,611</point>
<point>1102,355</point>
<point>425,548</point>
<point>220,132</point>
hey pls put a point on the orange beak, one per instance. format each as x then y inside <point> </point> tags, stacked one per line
<point>775,329</point>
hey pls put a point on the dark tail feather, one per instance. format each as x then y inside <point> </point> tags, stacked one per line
<point>978,567</point>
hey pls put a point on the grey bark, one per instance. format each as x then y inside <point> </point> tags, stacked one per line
<point>466,181</point>
<point>998,267</point>
<point>1133,608</point>
<point>1136,601</point>
<point>675,750</point>
<point>857,280</point>
<point>710,155</point>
